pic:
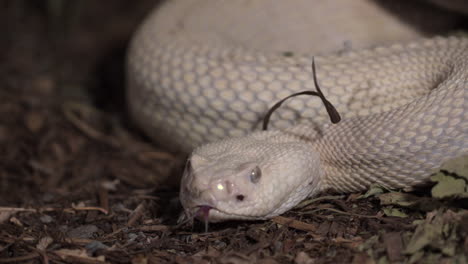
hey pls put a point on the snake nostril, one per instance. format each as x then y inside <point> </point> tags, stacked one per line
<point>240,197</point>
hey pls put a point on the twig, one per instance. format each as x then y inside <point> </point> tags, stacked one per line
<point>311,201</point>
<point>49,209</point>
<point>294,223</point>
<point>16,209</point>
<point>20,258</point>
<point>71,110</point>
<point>378,216</point>
<point>154,228</point>
<point>91,208</point>
<point>104,198</point>
<point>137,214</point>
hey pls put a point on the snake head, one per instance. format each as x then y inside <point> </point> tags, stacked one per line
<point>252,177</point>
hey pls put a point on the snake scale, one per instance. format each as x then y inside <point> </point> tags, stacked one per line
<point>403,108</point>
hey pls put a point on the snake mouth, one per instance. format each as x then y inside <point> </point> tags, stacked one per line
<point>202,212</point>
<point>207,213</point>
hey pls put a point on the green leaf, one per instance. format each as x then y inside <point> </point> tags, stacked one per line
<point>369,243</point>
<point>374,190</point>
<point>458,166</point>
<point>425,234</point>
<point>411,201</point>
<point>439,233</point>
<point>397,198</point>
<point>416,257</point>
<point>394,212</point>
<point>383,260</point>
<point>447,186</point>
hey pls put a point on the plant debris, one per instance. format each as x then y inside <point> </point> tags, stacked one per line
<point>441,233</point>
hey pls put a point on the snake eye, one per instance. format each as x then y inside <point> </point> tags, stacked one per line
<point>255,175</point>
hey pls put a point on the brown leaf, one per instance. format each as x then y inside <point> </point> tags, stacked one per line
<point>393,246</point>
<point>303,258</point>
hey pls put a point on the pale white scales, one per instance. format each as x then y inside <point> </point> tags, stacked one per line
<point>403,106</point>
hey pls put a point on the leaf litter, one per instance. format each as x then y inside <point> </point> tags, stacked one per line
<point>441,233</point>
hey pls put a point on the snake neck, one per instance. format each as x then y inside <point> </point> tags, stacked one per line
<point>401,147</point>
<point>357,155</point>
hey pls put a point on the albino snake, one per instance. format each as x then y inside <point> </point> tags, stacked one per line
<point>403,108</point>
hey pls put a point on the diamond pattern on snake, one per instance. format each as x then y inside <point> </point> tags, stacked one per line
<point>202,74</point>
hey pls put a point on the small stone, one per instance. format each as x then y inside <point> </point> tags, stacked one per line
<point>94,246</point>
<point>46,219</point>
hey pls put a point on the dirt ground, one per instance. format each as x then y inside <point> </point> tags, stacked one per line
<point>79,184</point>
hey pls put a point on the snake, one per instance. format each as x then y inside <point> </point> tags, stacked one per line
<point>403,108</point>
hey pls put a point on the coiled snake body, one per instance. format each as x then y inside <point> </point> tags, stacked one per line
<point>404,113</point>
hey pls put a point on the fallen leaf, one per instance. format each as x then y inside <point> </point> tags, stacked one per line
<point>294,223</point>
<point>447,186</point>
<point>362,259</point>
<point>393,245</point>
<point>425,233</point>
<point>458,166</point>
<point>303,258</point>
<point>374,190</point>
<point>369,243</point>
<point>398,198</point>
<point>439,232</point>
<point>394,212</point>
<point>416,257</point>
<point>44,243</point>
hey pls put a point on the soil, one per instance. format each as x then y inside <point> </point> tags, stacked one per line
<point>80,184</point>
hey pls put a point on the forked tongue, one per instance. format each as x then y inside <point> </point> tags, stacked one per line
<point>203,214</point>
